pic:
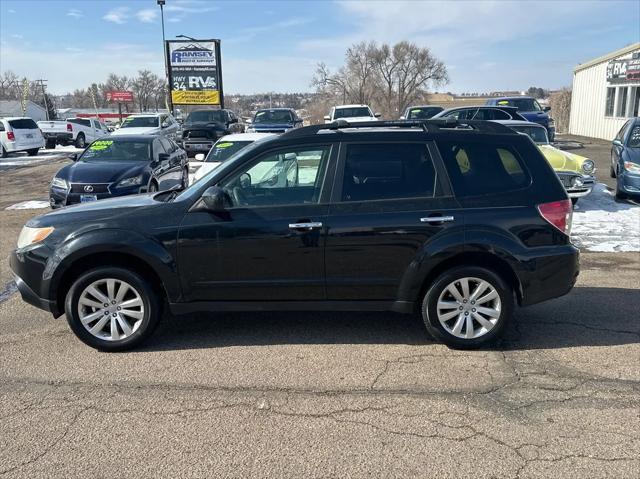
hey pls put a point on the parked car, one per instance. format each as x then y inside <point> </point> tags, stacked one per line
<point>421,112</point>
<point>274,120</point>
<point>576,173</point>
<point>222,150</point>
<point>120,165</point>
<point>531,110</point>
<point>351,113</point>
<point>625,159</point>
<point>203,128</point>
<point>72,131</point>
<point>19,134</point>
<point>481,113</point>
<point>314,221</point>
<point>150,124</point>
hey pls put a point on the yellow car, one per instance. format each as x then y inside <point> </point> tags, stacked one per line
<point>575,172</point>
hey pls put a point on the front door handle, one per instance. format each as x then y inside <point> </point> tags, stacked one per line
<point>312,225</point>
<point>436,219</point>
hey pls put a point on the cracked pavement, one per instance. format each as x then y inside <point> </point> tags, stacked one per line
<point>333,395</point>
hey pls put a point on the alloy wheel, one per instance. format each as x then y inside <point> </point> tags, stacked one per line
<point>469,308</point>
<point>111,309</point>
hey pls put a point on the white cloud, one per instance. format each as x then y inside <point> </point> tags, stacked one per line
<point>148,15</point>
<point>75,13</point>
<point>118,15</point>
<point>178,10</point>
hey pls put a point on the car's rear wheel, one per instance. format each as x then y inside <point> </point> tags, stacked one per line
<point>33,152</point>
<point>112,309</point>
<point>51,144</point>
<point>467,307</point>
<point>80,141</point>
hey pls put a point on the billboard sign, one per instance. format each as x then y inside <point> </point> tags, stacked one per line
<point>194,72</point>
<point>622,71</point>
<point>119,96</point>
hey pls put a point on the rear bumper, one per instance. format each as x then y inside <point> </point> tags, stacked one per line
<point>549,275</point>
<point>59,137</point>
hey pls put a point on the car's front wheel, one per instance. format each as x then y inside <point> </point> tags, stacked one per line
<point>112,309</point>
<point>467,307</point>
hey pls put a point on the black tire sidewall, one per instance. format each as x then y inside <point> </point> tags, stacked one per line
<point>429,306</point>
<point>80,144</point>
<point>149,299</point>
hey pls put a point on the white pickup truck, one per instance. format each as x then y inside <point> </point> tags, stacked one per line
<point>73,131</point>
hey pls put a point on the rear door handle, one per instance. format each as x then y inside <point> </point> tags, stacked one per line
<point>312,225</point>
<point>436,219</point>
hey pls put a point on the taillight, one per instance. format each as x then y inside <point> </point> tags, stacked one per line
<point>11,136</point>
<point>69,127</point>
<point>558,213</point>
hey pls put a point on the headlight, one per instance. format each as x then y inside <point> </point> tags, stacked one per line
<point>30,236</point>
<point>588,166</point>
<point>59,183</point>
<point>632,167</point>
<point>133,181</point>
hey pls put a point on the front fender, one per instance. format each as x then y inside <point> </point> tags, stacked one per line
<point>150,251</point>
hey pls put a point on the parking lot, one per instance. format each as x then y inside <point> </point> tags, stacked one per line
<point>339,394</point>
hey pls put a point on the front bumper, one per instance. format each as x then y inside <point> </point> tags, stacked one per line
<point>575,184</point>
<point>629,184</point>
<point>59,197</point>
<point>29,268</point>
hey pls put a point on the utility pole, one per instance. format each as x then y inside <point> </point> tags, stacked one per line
<point>44,96</point>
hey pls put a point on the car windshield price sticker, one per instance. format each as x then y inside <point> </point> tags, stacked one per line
<point>194,72</point>
<point>101,145</point>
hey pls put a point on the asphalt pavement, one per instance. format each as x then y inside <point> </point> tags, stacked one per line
<point>324,395</point>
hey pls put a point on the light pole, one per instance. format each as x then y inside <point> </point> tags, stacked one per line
<point>187,37</point>
<point>161,3</point>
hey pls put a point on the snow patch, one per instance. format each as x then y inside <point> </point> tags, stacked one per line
<point>29,205</point>
<point>600,223</point>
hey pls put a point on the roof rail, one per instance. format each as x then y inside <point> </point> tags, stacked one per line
<point>429,126</point>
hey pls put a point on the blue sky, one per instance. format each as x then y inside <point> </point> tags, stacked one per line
<point>275,45</point>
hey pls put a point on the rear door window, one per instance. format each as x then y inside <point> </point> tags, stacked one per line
<point>23,124</point>
<point>479,168</point>
<point>388,171</point>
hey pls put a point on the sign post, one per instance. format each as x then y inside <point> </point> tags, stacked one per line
<point>195,75</point>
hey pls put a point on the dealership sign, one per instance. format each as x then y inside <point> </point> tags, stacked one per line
<point>119,96</point>
<point>194,72</point>
<point>622,71</point>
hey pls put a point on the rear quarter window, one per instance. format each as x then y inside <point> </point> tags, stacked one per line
<point>477,168</point>
<point>23,124</point>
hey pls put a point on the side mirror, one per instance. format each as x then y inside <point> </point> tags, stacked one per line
<point>617,142</point>
<point>200,157</point>
<point>162,157</point>
<point>547,108</point>
<point>377,115</point>
<point>213,198</point>
<point>327,117</point>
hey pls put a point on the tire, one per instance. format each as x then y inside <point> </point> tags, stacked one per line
<point>438,291</point>
<point>620,195</point>
<point>33,152</point>
<point>80,141</point>
<point>3,152</point>
<point>145,309</point>
<point>51,144</point>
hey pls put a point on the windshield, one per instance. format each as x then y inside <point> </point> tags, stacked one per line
<point>208,116</point>
<point>223,150</point>
<point>351,112</point>
<point>423,113</point>
<point>140,121</point>
<point>536,133</point>
<point>273,116</point>
<point>634,137</point>
<point>111,150</point>
<point>522,104</point>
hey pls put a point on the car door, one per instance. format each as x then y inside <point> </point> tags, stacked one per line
<point>389,205</point>
<point>161,165</point>
<point>174,169</point>
<point>268,244</point>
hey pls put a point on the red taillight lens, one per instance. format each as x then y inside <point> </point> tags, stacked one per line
<point>558,213</point>
<point>69,127</point>
<point>11,136</point>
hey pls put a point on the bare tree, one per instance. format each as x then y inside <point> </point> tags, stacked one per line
<point>560,103</point>
<point>143,87</point>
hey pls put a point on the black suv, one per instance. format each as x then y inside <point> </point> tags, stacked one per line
<point>458,221</point>
<point>203,128</point>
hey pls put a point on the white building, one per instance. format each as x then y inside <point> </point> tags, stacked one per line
<point>606,91</point>
<point>10,108</point>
